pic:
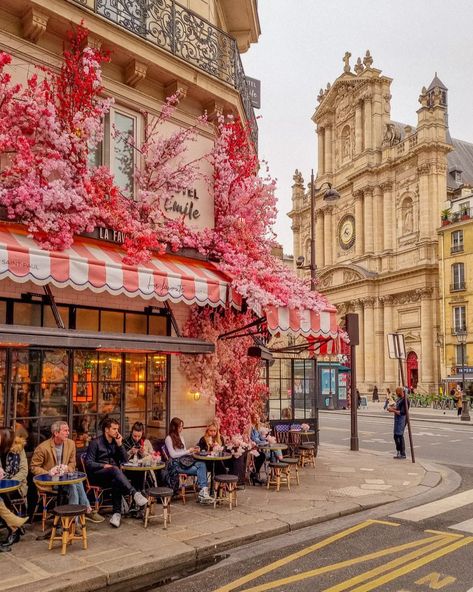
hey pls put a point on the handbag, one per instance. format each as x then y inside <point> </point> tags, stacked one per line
<point>186,461</point>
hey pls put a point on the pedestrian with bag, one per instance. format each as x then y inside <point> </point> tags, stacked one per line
<point>399,411</point>
<point>458,396</point>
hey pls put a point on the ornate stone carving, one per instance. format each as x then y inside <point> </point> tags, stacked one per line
<point>298,179</point>
<point>358,66</point>
<point>368,60</point>
<point>176,86</point>
<point>34,24</point>
<point>386,300</point>
<point>326,281</point>
<point>424,169</point>
<point>369,301</point>
<point>358,194</point>
<point>344,104</point>
<point>135,72</point>
<point>406,297</point>
<point>425,293</point>
<point>214,109</point>
<point>392,135</point>
<point>386,185</point>
<point>350,276</point>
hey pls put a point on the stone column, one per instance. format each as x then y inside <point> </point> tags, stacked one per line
<point>359,227</point>
<point>358,128</point>
<point>328,237</point>
<point>369,340</point>
<point>378,219</point>
<point>321,151</point>
<point>319,239</point>
<point>388,221</point>
<point>424,202</point>
<point>426,361</point>
<point>390,366</point>
<point>379,343</point>
<point>368,122</point>
<point>328,143</point>
<point>360,349</point>
<point>368,219</point>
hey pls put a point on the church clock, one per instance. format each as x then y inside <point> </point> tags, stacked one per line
<point>346,232</point>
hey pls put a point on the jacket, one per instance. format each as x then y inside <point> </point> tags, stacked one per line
<point>18,447</point>
<point>101,452</point>
<point>44,457</point>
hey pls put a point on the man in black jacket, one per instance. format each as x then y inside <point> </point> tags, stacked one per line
<point>104,457</point>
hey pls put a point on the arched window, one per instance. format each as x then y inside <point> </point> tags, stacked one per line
<point>345,140</point>
<point>407,216</point>
<point>458,276</point>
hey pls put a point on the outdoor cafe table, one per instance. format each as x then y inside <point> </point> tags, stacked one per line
<point>212,459</point>
<point>142,468</point>
<point>9,485</point>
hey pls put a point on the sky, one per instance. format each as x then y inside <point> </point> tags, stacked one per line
<point>300,50</point>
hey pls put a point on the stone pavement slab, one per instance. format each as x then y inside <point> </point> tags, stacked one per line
<point>343,482</point>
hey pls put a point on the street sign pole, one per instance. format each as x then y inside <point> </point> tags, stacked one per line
<point>397,350</point>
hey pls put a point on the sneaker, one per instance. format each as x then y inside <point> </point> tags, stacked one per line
<point>204,496</point>
<point>125,506</point>
<point>140,499</point>
<point>397,455</point>
<point>402,456</point>
<point>115,520</point>
<point>94,517</point>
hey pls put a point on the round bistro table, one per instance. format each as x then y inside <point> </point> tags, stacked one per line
<point>212,459</point>
<point>142,468</point>
<point>9,485</point>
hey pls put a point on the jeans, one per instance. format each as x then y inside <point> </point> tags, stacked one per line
<point>113,478</point>
<point>76,494</point>
<point>198,469</point>
<point>400,444</point>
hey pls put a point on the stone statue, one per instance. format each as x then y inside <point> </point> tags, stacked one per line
<point>346,61</point>
<point>358,66</point>
<point>392,135</point>
<point>368,60</point>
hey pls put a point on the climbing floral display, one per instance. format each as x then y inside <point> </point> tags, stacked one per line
<point>49,128</point>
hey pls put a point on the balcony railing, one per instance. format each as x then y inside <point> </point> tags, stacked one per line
<point>459,329</point>
<point>183,33</point>
<point>456,249</point>
<point>457,287</point>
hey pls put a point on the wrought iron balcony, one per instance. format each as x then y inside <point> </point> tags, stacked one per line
<point>183,33</point>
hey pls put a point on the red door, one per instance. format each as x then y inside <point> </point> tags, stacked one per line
<point>412,370</point>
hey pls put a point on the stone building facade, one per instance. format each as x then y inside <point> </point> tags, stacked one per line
<point>377,245</point>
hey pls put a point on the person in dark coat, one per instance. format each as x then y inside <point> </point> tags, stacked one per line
<point>375,394</point>
<point>399,411</point>
<point>104,457</point>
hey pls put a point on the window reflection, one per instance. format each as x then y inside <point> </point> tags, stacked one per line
<point>2,385</point>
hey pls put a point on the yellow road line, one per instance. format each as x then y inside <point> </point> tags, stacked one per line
<point>413,566</point>
<point>430,541</point>
<point>302,553</point>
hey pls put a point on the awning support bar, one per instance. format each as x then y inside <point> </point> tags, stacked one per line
<point>52,303</point>
<point>233,332</point>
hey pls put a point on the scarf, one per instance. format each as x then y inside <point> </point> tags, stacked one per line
<point>12,464</point>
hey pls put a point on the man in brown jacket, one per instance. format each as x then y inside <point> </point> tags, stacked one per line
<point>59,452</point>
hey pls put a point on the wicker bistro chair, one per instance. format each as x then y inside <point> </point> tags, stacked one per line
<point>307,455</point>
<point>47,499</point>
<point>185,481</point>
<point>155,494</point>
<point>225,490</point>
<point>99,493</point>
<point>67,515</point>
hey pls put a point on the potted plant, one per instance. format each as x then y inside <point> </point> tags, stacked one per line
<point>465,212</point>
<point>445,216</point>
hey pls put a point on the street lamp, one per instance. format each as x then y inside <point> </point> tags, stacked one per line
<point>461,338</point>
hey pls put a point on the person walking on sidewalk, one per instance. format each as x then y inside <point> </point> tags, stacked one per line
<point>399,411</point>
<point>375,394</point>
<point>458,396</point>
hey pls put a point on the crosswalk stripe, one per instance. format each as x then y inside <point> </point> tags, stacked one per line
<point>434,508</point>
<point>466,526</point>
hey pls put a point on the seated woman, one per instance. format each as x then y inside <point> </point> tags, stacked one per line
<point>13,465</point>
<point>182,459</point>
<point>137,445</point>
<point>211,441</point>
<point>257,439</point>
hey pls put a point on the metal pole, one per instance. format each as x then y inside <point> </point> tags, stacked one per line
<point>465,411</point>
<point>354,440</point>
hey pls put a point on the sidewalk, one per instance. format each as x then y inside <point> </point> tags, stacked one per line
<point>343,483</point>
<point>447,416</point>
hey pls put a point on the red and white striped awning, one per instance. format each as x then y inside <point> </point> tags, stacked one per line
<point>99,267</point>
<point>308,323</point>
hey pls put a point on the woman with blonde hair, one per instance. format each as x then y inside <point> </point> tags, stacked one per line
<point>211,438</point>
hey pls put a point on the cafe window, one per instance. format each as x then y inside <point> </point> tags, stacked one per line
<point>111,321</point>
<point>3,355</point>
<point>87,319</point>
<point>3,311</point>
<point>291,389</point>
<point>27,313</point>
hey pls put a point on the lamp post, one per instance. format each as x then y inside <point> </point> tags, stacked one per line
<point>461,338</point>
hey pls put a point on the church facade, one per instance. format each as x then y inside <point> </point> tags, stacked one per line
<point>377,245</point>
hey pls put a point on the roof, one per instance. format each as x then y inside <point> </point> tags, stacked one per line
<point>460,159</point>
<point>436,83</point>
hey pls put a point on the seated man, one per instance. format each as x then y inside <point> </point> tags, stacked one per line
<point>60,450</point>
<point>104,457</point>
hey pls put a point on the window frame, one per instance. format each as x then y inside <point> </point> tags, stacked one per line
<point>458,276</point>
<point>456,241</point>
<point>461,326</point>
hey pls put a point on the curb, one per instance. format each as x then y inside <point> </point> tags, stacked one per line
<point>437,481</point>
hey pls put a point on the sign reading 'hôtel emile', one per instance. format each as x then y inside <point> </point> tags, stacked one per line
<point>182,205</point>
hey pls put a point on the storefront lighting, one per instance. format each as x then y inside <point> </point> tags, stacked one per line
<point>196,395</point>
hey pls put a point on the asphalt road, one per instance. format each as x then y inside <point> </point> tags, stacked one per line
<point>409,547</point>
<point>442,443</point>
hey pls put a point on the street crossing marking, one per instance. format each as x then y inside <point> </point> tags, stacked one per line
<point>466,526</point>
<point>435,508</point>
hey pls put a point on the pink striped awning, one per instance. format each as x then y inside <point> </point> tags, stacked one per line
<point>99,267</point>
